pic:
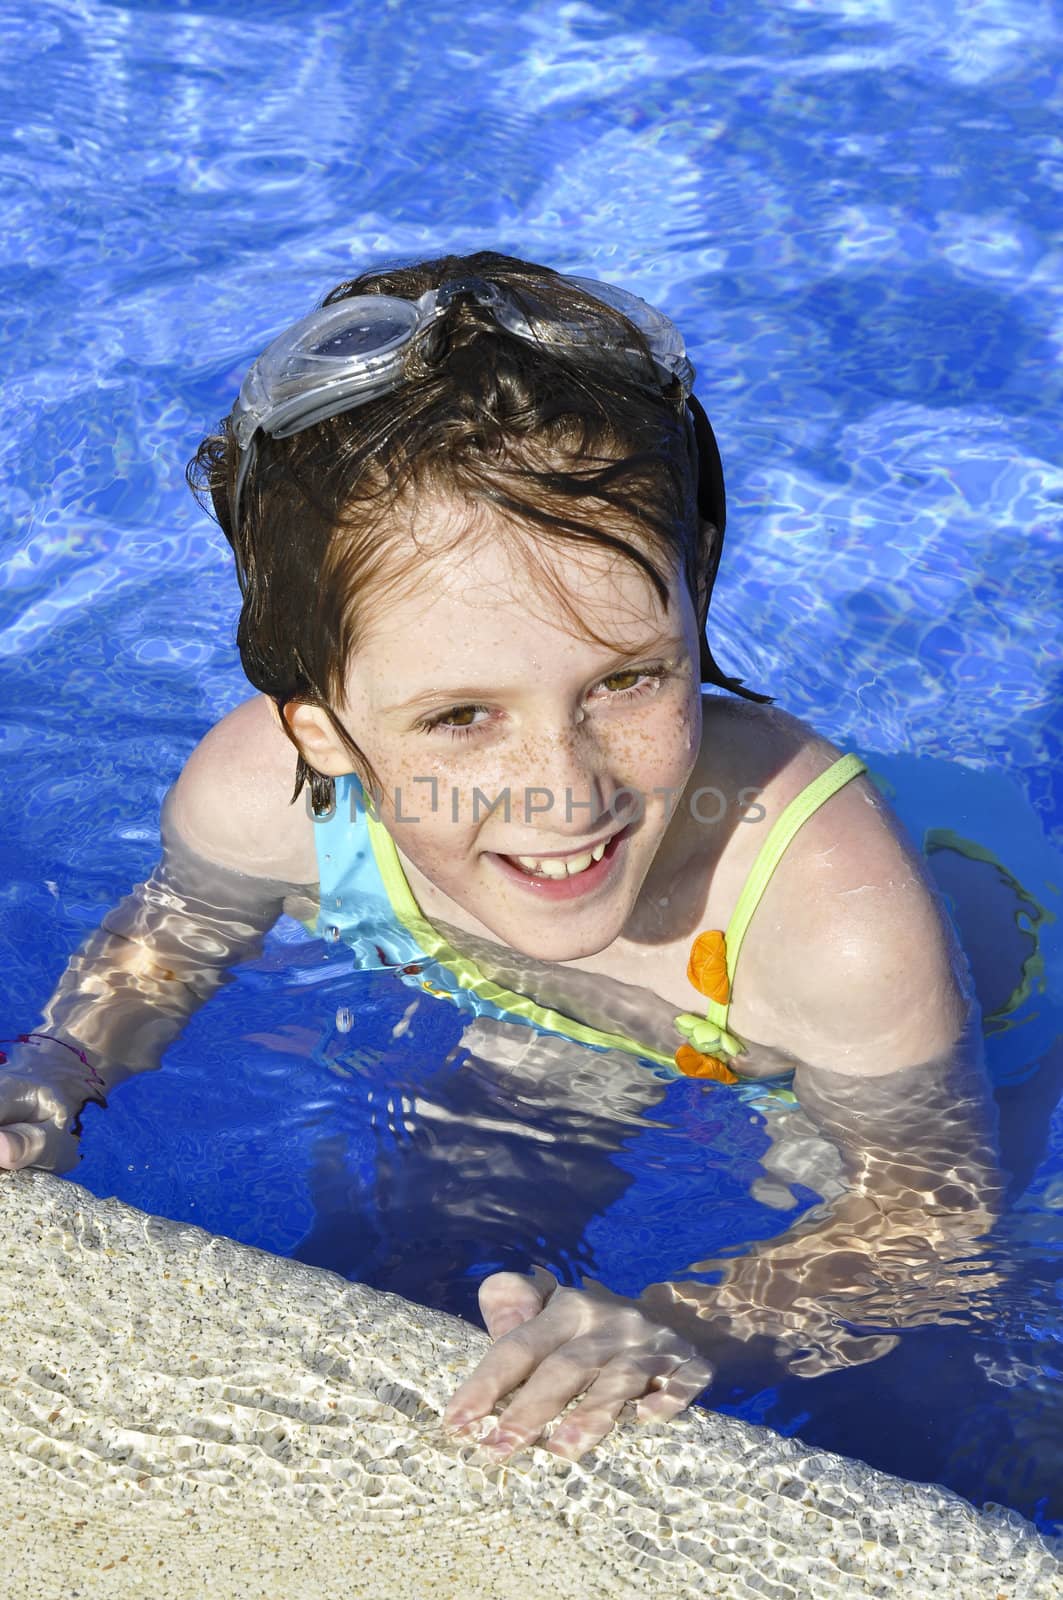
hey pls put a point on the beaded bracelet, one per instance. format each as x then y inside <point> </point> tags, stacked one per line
<point>25,1038</point>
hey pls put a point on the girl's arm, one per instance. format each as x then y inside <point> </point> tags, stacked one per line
<point>904,1246</point>
<point>156,957</point>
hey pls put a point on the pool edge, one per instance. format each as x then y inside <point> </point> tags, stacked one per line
<point>182,1414</point>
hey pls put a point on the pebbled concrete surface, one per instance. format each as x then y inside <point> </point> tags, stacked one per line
<point>181,1415</point>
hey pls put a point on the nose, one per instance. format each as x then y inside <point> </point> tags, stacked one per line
<point>569,790</point>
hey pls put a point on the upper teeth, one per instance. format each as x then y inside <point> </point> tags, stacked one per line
<point>561,866</point>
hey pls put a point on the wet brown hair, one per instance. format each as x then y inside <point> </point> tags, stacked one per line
<point>565,444</point>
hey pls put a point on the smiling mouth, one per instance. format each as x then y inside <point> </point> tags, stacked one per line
<point>564,876</point>
<point>559,866</point>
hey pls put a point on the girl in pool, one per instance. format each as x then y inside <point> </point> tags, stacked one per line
<point>477,514</point>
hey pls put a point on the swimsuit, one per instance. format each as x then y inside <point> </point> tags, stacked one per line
<point>367,901</point>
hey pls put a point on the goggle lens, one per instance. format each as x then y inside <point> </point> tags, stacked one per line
<point>361,338</point>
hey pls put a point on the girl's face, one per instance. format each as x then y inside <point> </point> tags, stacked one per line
<point>528,773</point>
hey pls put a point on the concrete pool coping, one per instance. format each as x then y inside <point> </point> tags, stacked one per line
<point>184,1415</point>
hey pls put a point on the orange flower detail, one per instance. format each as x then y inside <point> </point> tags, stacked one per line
<point>707,967</point>
<point>692,1064</point>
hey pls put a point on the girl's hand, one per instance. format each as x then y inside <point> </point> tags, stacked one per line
<point>560,1343</point>
<point>35,1124</point>
<point>45,1084</point>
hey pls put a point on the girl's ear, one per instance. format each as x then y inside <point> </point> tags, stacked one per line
<point>311,730</point>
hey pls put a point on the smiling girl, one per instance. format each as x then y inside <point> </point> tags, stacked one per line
<point>477,515</point>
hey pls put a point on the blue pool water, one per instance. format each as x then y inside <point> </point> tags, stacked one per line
<point>847,206</point>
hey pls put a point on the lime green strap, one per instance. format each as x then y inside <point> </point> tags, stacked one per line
<point>389,866</point>
<point>774,847</point>
<point>468,973</point>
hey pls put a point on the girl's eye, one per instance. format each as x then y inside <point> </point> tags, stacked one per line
<point>464,722</point>
<point>633,681</point>
<point>458,721</point>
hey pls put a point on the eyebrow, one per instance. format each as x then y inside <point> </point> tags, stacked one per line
<point>467,694</point>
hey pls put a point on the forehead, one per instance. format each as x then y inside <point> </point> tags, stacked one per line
<point>469,580</point>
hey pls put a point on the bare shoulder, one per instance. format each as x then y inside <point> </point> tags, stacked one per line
<point>233,800</point>
<point>850,961</point>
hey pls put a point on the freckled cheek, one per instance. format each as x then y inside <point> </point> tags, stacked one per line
<point>428,836</point>
<point>441,851</point>
<point>661,751</point>
<point>438,846</point>
<point>680,738</point>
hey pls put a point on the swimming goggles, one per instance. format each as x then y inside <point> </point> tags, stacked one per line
<point>347,353</point>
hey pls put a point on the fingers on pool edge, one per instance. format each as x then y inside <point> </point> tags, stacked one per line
<point>506,1366</point>
<point>675,1393</point>
<point>507,1299</point>
<point>660,1406</point>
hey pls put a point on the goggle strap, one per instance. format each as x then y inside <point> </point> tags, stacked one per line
<point>247,460</point>
<point>712,502</point>
<point>484,293</point>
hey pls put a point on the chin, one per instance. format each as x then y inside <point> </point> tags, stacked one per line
<point>559,946</point>
<point>558,953</point>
